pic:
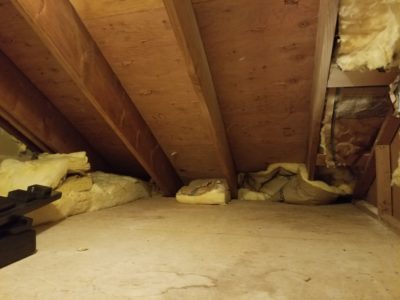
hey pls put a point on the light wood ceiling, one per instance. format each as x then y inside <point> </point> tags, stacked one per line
<point>259,58</point>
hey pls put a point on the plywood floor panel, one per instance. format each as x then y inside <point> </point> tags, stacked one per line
<point>159,249</point>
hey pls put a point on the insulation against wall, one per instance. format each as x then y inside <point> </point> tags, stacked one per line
<point>91,192</point>
<point>204,191</point>
<point>289,183</point>
<point>67,173</point>
<point>352,120</point>
<point>369,32</point>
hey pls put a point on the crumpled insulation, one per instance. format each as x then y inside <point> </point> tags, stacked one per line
<point>369,34</point>
<point>288,182</point>
<point>68,173</point>
<point>395,95</point>
<point>351,122</point>
<point>204,191</point>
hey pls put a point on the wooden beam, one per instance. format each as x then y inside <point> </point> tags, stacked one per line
<point>63,33</point>
<point>339,78</point>
<point>186,30</point>
<point>385,136</point>
<point>28,111</point>
<point>327,18</point>
<point>360,163</point>
<point>383,179</point>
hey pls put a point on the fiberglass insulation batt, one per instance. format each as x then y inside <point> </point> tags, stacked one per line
<point>288,182</point>
<point>82,191</point>
<point>204,191</point>
<point>369,33</point>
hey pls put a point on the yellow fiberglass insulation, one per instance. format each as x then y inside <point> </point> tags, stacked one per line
<point>91,192</point>
<point>288,182</point>
<point>369,32</point>
<point>68,173</point>
<point>204,191</point>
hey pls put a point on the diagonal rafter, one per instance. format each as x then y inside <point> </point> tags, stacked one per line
<point>63,33</point>
<point>30,113</point>
<point>184,23</point>
<point>327,18</point>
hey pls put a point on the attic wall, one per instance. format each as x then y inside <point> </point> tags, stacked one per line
<point>261,55</point>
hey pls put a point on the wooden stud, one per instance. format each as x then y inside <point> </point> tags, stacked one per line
<point>186,30</point>
<point>361,162</point>
<point>327,18</point>
<point>339,78</point>
<point>28,111</point>
<point>385,136</point>
<point>383,179</point>
<point>63,33</point>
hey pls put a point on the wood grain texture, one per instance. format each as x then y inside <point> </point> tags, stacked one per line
<point>339,78</point>
<point>327,18</point>
<point>261,57</point>
<point>80,57</point>
<point>184,23</point>
<point>26,50</point>
<point>385,136</point>
<point>371,195</point>
<point>26,109</point>
<point>383,178</point>
<point>394,156</point>
<point>142,49</point>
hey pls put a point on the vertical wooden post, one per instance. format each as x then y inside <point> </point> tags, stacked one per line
<point>383,179</point>
<point>327,18</point>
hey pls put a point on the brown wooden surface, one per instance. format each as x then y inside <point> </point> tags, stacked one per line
<point>385,136</point>
<point>138,41</point>
<point>383,178</point>
<point>78,54</point>
<point>185,26</point>
<point>20,43</point>
<point>261,58</point>
<point>372,194</point>
<point>327,18</point>
<point>26,109</point>
<point>361,162</point>
<point>339,78</point>
<point>395,154</point>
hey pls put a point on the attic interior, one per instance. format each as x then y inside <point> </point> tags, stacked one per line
<point>200,149</point>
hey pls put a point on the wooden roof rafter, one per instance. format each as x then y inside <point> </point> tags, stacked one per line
<point>63,33</point>
<point>184,23</point>
<point>327,19</point>
<point>29,112</point>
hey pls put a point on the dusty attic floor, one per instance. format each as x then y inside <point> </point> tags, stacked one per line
<point>159,249</point>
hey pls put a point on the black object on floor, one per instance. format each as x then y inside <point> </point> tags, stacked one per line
<point>17,238</point>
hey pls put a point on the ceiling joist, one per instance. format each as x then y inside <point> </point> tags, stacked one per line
<point>27,110</point>
<point>63,33</point>
<point>339,78</point>
<point>186,30</point>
